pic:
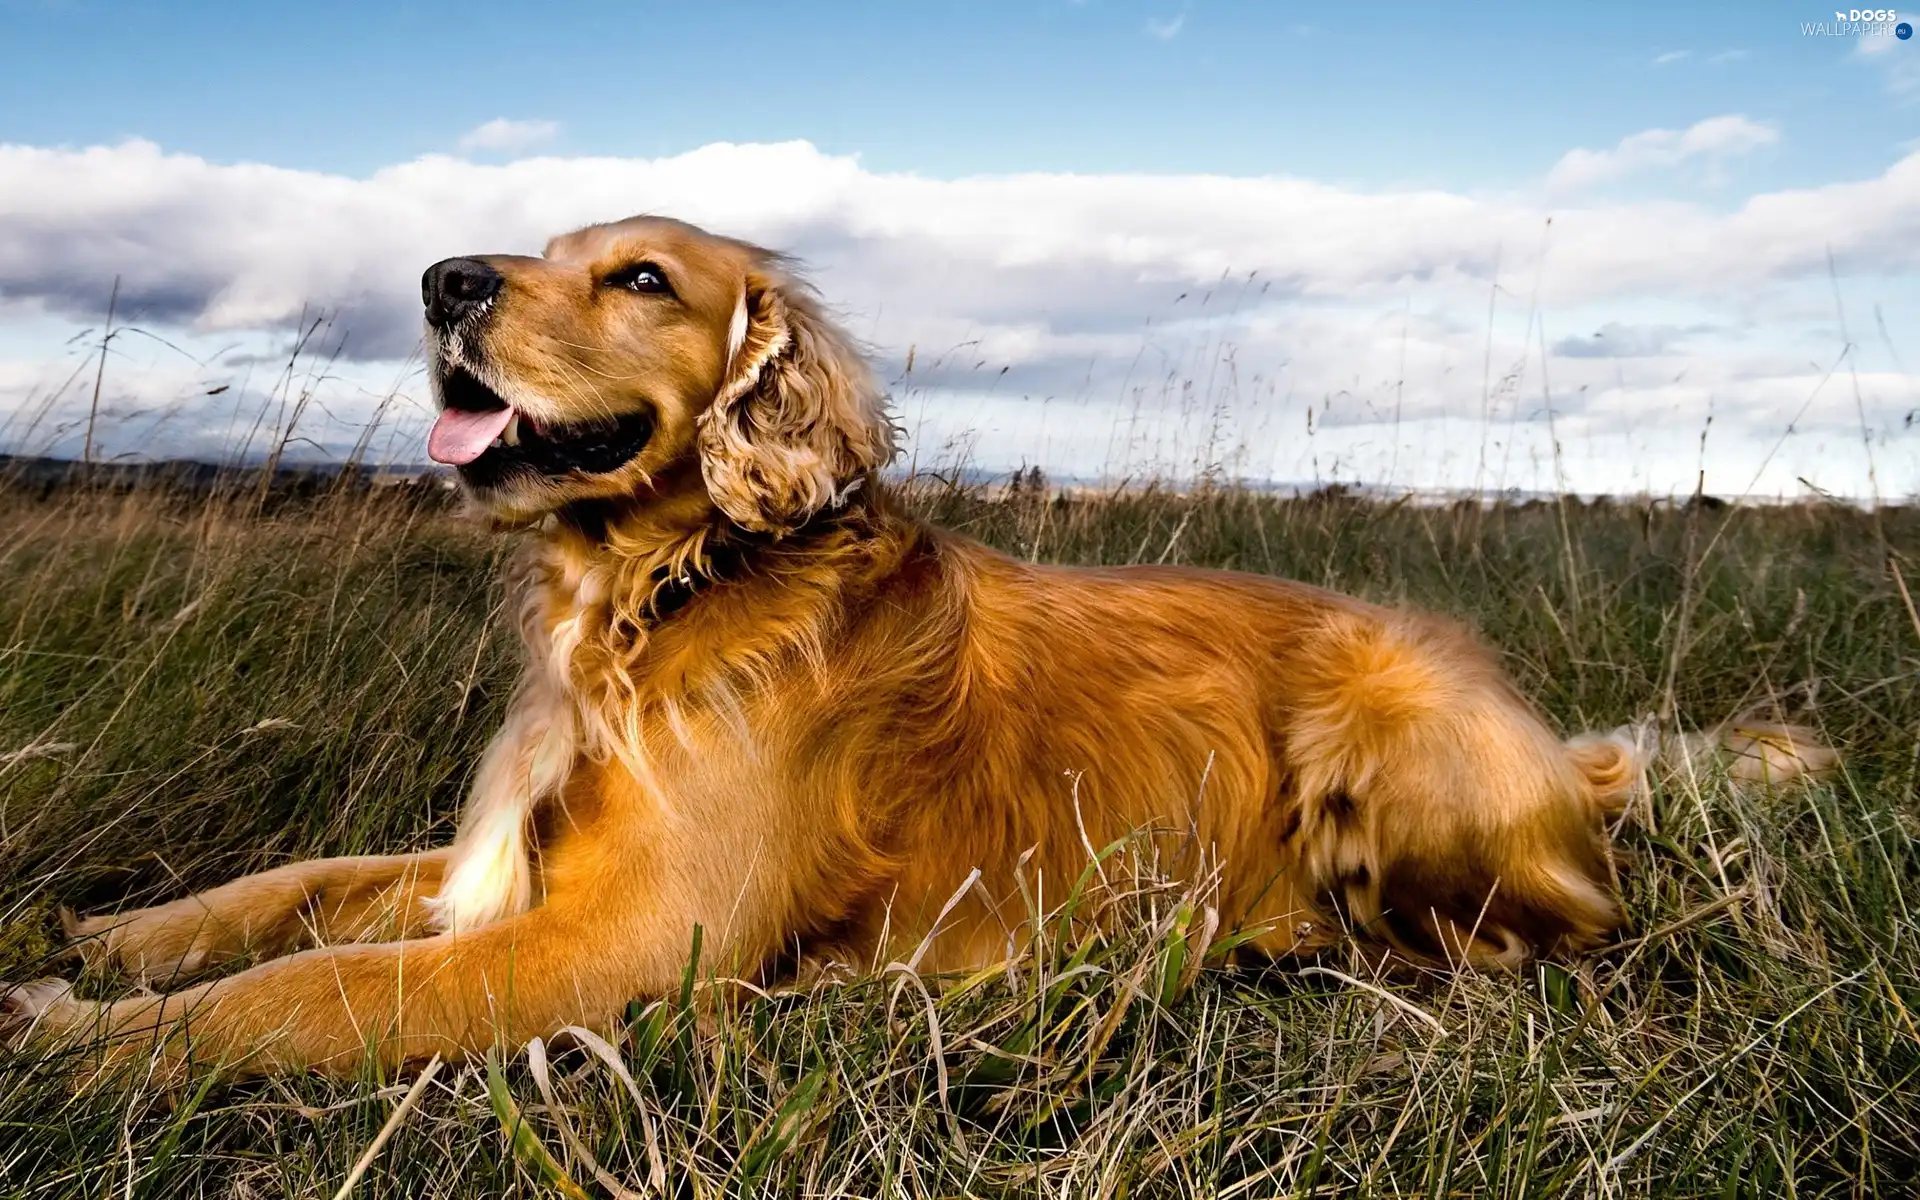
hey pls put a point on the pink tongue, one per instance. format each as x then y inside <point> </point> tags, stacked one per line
<point>460,436</point>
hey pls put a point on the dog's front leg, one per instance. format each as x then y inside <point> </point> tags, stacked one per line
<point>273,912</point>
<point>333,1009</point>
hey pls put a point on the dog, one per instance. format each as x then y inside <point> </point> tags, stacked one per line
<point>761,701</point>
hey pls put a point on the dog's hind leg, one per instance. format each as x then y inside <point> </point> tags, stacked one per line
<point>318,902</point>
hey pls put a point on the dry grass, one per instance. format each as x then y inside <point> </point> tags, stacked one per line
<point>190,689</point>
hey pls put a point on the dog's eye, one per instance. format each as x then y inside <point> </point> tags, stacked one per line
<point>644,278</point>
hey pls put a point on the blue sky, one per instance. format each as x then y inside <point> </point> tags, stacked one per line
<point>1379,94</point>
<point>1437,246</point>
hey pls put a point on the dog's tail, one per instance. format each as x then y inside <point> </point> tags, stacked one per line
<point>1616,766</point>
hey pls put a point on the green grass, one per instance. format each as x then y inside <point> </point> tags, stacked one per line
<point>189,691</point>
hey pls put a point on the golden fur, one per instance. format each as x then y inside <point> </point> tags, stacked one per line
<point>760,699</point>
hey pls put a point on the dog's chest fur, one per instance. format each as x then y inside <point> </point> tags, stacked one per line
<point>490,877</point>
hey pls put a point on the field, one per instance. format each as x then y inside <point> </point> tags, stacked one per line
<point>191,688</point>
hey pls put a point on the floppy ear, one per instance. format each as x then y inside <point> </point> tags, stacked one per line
<point>800,420</point>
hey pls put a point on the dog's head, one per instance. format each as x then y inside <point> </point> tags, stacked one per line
<point>652,361</point>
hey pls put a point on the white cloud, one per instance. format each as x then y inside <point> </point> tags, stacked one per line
<point>1118,319</point>
<point>1168,29</point>
<point>1671,56</point>
<point>1899,73</point>
<point>1711,140</point>
<point>236,247</point>
<point>1881,41</point>
<point>501,134</point>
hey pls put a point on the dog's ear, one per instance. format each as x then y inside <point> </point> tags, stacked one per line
<point>800,420</point>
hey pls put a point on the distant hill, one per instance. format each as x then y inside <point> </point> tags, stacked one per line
<point>43,474</point>
<point>46,475</point>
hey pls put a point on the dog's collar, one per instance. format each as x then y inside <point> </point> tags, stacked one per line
<point>670,592</point>
<point>731,558</point>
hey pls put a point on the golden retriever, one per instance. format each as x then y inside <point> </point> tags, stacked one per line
<point>760,699</point>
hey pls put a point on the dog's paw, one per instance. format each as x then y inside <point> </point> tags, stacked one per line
<point>85,1043</point>
<point>153,944</point>
<point>23,1004</point>
<point>79,947</point>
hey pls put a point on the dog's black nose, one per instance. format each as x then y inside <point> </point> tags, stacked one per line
<point>454,287</point>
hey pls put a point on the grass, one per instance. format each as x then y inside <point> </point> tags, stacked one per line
<point>193,688</point>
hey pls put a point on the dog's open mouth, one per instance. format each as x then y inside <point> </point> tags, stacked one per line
<point>488,439</point>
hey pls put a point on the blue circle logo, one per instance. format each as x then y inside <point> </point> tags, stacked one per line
<point>1903,31</point>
